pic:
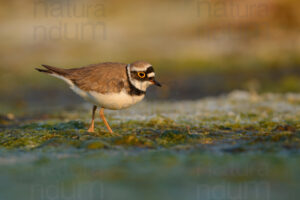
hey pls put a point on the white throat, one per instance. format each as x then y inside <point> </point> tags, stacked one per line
<point>141,85</point>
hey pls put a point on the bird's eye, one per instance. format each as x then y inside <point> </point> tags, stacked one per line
<point>142,74</point>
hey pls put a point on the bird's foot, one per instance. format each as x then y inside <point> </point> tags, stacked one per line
<point>91,130</point>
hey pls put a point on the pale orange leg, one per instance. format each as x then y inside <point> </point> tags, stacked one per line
<point>104,120</point>
<point>91,129</point>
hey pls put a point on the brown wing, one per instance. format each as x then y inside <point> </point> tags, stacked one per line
<point>102,78</point>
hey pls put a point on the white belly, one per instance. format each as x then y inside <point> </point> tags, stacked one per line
<point>114,101</point>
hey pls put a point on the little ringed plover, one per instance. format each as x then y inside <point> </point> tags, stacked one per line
<point>108,85</point>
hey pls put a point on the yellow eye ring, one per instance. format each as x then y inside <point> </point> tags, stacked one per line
<point>142,74</point>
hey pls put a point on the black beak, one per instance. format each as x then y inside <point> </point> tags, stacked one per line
<point>156,83</point>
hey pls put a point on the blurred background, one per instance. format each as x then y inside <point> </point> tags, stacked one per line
<point>198,47</point>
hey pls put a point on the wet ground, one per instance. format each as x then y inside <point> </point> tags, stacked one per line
<point>236,146</point>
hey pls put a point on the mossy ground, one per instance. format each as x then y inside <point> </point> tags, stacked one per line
<point>242,146</point>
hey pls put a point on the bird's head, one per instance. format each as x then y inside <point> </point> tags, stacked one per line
<point>141,75</point>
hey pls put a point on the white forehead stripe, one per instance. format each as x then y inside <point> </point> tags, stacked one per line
<point>140,68</point>
<point>152,74</point>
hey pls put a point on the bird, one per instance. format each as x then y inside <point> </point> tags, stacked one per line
<point>108,85</point>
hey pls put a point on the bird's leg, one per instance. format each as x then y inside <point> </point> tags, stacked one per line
<point>91,129</point>
<point>104,120</point>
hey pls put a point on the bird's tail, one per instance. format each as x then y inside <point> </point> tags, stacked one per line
<point>53,70</point>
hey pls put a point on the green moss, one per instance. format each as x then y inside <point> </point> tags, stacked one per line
<point>257,127</point>
<point>174,136</point>
<point>97,144</point>
<point>132,140</point>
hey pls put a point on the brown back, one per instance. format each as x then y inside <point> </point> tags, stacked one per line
<point>102,78</point>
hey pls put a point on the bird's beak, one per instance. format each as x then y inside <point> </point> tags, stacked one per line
<point>154,82</point>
